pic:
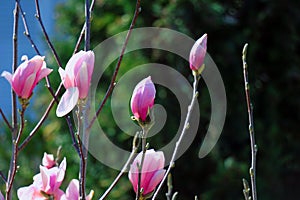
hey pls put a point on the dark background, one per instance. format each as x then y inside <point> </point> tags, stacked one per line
<point>271,27</point>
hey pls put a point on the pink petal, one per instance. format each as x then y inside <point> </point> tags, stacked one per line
<point>155,180</point>
<point>28,86</point>
<point>67,102</point>
<point>1,196</point>
<point>61,172</point>
<point>82,81</point>
<point>72,191</point>
<point>43,73</point>
<point>48,160</point>
<point>70,67</point>
<point>7,76</point>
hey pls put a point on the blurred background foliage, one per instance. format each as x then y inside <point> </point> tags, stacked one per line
<point>271,27</point>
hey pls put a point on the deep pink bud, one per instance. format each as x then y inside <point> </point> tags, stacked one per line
<point>152,171</point>
<point>27,75</point>
<point>198,52</point>
<point>76,79</point>
<point>143,98</point>
<point>72,192</point>
<point>48,160</point>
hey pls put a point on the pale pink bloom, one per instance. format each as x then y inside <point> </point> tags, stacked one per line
<point>76,79</point>
<point>27,75</point>
<point>142,99</point>
<point>32,192</point>
<point>197,53</point>
<point>152,171</point>
<point>46,183</point>
<point>72,192</point>
<point>48,160</point>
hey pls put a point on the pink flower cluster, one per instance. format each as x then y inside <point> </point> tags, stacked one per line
<point>46,184</point>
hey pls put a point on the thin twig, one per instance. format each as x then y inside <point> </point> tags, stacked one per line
<point>26,32</point>
<point>170,187</point>
<point>112,82</point>
<point>38,16</point>
<point>132,155</point>
<point>81,150</point>
<point>15,151</point>
<point>252,170</point>
<point>140,165</point>
<point>5,120</point>
<point>3,177</point>
<point>14,67</point>
<point>183,132</point>
<point>83,115</point>
<point>83,30</point>
<point>43,118</point>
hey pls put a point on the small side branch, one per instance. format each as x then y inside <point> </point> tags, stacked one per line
<point>112,82</point>
<point>183,132</point>
<point>26,32</point>
<point>5,120</point>
<point>14,67</point>
<point>38,16</point>
<point>83,30</point>
<point>135,145</point>
<point>252,170</point>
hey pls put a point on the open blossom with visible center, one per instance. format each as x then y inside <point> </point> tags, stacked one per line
<point>76,79</point>
<point>27,75</point>
<point>152,171</point>
<point>142,99</point>
<point>72,192</point>
<point>46,183</point>
<point>197,53</point>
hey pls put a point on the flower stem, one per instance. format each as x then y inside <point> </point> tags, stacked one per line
<point>145,131</point>
<point>183,132</point>
<point>252,170</point>
<point>112,82</point>
<point>15,151</point>
<point>135,145</point>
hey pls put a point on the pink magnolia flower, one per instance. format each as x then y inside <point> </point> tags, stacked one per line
<point>27,75</point>
<point>152,171</point>
<point>45,184</point>
<point>76,79</point>
<point>72,192</point>
<point>48,160</point>
<point>143,98</point>
<point>197,53</point>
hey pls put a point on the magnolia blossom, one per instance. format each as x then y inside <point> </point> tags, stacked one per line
<point>27,75</point>
<point>45,184</point>
<point>72,192</point>
<point>152,171</point>
<point>143,98</point>
<point>48,160</point>
<point>197,53</point>
<point>76,79</point>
